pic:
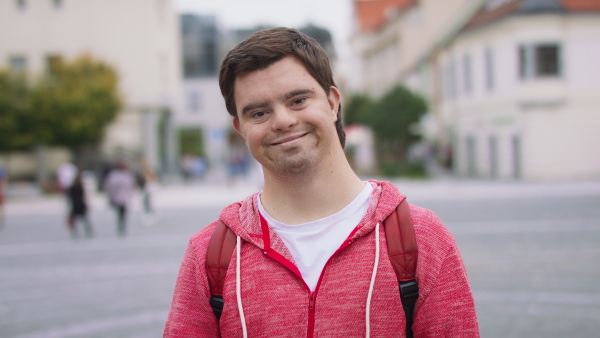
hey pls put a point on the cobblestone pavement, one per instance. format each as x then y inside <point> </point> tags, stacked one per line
<point>531,251</point>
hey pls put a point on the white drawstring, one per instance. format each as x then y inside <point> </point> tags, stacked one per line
<point>375,265</point>
<point>238,292</point>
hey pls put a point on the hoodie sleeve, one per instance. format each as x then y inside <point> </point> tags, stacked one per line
<point>191,314</point>
<point>446,307</point>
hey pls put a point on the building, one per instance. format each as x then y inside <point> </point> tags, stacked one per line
<point>510,84</point>
<point>204,44</point>
<point>139,38</point>
<point>519,91</point>
<point>393,35</point>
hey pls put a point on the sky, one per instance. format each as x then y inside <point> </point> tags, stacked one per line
<point>335,15</point>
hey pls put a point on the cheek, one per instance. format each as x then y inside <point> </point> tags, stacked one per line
<point>252,141</point>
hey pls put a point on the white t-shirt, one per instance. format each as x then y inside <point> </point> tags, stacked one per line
<point>312,244</point>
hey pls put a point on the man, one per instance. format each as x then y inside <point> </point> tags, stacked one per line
<point>307,259</point>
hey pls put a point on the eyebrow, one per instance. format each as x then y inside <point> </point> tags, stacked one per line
<point>287,96</point>
<point>252,106</point>
<point>297,92</point>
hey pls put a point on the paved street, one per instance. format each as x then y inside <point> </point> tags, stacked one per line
<point>531,251</point>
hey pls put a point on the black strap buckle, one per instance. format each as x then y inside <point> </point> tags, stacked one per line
<point>409,291</point>
<point>216,302</point>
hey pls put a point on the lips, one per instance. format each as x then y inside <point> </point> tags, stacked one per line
<point>288,139</point>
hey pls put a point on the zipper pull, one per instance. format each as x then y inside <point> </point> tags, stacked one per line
<point>311,302</point>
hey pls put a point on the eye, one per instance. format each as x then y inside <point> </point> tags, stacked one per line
<point>299,101</point>
<point>258,114</point>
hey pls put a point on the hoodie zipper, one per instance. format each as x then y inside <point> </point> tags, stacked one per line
<point>312,298</point>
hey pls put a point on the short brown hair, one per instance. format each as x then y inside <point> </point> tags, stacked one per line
<point>266,47</point>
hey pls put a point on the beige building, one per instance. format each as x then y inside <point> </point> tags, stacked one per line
<point>139,37</point>
<point>512,88</point>
<point>392,36</point>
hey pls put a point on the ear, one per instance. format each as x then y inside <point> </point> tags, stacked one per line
<point>236,125</point>
<point>334,99</point>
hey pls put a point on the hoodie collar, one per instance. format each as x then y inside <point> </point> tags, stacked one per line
<point>243,217</point>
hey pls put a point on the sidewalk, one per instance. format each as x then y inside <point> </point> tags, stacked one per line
<point>465,189</point>
<point>173,195</point>
<point>210,194</point>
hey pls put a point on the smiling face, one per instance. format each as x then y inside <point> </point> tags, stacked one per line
<point>285,117</point>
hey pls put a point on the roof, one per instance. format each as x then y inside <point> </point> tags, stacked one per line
<point>372,14</point>
<point>581,5</point>
<point>490,14</point>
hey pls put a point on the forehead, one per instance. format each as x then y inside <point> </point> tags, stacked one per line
<point>282,76</point>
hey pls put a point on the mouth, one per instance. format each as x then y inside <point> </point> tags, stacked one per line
<point>288,140</point>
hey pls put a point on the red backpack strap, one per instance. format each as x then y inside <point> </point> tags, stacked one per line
<point>402,249</point>
<point>218,256</point>
<point>401,242</point>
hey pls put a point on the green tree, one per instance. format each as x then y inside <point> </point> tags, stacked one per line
<point>16,122</point>
<point>357,109</point>
<point>391,119</point>
<point>191,141</point>
<point>75,101</point>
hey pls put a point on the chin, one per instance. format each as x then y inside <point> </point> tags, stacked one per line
<point>294,167</point>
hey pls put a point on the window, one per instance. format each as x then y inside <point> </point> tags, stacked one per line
<point>18,64</point>
<point>489,69</point>
<point>539,60</point>
<point>468,85</point>
<point>21,4</point>
<point>449,80</point>
<point>453,90</point>
<point>194,101</point>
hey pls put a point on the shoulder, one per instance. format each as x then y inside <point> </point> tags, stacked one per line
<point>199,241</point>
<point>429,227</point>
<point>434,241</point>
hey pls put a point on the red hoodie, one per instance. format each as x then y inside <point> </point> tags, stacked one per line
<point>277,303</point>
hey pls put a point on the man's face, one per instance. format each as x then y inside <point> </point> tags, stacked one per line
<point>285,117</point>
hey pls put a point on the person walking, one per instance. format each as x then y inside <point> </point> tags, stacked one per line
<point>3,185</point>
<point>149,186</point>
<point>310,255</point>
<point>79,209</point>
<point>119,186</point>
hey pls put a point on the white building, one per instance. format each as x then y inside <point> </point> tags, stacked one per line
<point>512,84</point>
<point>139,37</point>
<point>520,91</point>
<point>392,36</point>
<point>203,107</point>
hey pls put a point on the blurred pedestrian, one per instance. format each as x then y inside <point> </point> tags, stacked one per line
<point>3,184</point>
<point>79,208</point>
<point>66,174</point>
<point>149,186</point>
<point>304,253</point>
<point>119,186</point>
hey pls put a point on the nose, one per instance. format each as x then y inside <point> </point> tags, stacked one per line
<point>283,118</point>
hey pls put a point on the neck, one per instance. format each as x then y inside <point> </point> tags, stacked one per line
<point>314,195</point>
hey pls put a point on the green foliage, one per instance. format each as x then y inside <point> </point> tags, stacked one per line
<point>395,113</point>
<point>391,118</point>
<point>15,113</point>
<point>75,101</point>
<point>399,167</point>
<point>191,141</point>
<point>357,109</point>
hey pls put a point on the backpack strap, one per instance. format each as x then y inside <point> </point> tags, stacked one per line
<point>220,249</point>
<point>402,249</point>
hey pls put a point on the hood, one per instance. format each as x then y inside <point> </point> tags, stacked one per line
<point>243,217</point>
